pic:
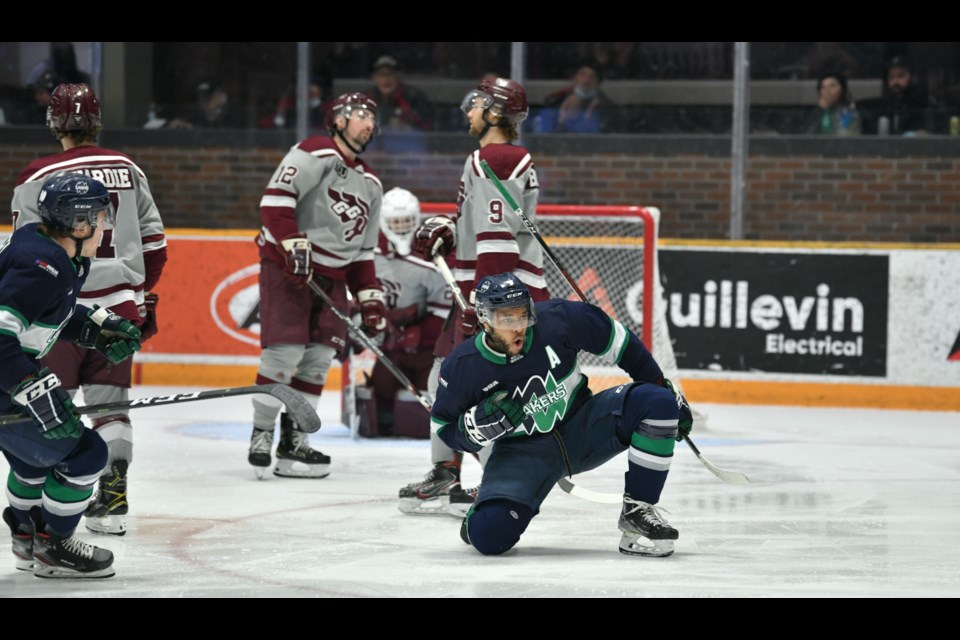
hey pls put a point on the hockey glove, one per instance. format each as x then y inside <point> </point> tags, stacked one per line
<point>407,339</point>
<point>296,255</point>
<point>49,405</point>
<point>372,310</point>
<point>685,424</point>
<point>469,322</point>
<point>148,328</point>
<point>436,236</point>
<point>493,418</point>
<point>109,334</point>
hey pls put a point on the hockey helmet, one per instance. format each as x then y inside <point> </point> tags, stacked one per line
<point>346,105</point>
<point>501,96</point>
<point>69,201</point>
<point>503,291</point>
<point>74,107</point>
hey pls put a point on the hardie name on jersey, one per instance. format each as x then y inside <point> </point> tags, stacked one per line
<point>111,177</point>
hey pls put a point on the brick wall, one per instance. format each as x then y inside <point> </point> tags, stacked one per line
<point>837,196</point>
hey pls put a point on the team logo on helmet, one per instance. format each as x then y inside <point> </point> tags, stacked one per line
<point>82,188</point>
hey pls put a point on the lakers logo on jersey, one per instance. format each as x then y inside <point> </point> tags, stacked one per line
<point>353,211</point>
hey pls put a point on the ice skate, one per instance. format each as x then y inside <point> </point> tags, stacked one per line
<point>22,538</point>
<point>431,496</point>
<point>295,458</point>
<point>261,442</point>
<point>645,532</point>
<point>108,511</point>
<point>461,500</point>
<point>57,557</point>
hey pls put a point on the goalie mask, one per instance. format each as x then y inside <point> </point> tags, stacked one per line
<point>399,218</point>
<point>501,292</point>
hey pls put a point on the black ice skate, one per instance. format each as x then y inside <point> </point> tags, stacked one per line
<point>261,443</point>
<point>56,557</point>
<point>461,500</point>
<point>22,537</point>
<point>645,532</point>
<point>431,496</point>
<point>108,511</point>
<point>295,458</point>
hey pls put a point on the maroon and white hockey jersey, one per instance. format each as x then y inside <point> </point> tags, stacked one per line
<point>334,201</point>
<point>409,282</point>
<point>131,255</point>
<point>491,239</point>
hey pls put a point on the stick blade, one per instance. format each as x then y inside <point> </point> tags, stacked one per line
<point>730,477</point>
<point>588,494</point>
<point>298,408</point>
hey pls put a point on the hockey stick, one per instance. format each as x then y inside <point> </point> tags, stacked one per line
<point>298,408</point>
<point>731,477</point>
<point>451,281</point>
<point>366,341</point>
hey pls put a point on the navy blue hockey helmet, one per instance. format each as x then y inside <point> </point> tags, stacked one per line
<point>503,291</point>
<point>68,201</point>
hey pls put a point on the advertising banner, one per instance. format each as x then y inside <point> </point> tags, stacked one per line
<point>777,311</point>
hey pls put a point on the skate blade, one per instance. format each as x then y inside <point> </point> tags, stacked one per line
<point>41,570</point>
<point>459,509</point>
<point>259,472</point>
<point>297,469</point>
<point>107,525</point>
<point>633,545</point>
<point>430,507</point>
<point>24,565</point>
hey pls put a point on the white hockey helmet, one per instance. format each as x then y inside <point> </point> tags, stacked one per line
<point>399,218</point>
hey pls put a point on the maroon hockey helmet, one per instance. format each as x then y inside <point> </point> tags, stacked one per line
<point>73,107</point>
<point>506,97</point>
<point>345,105</point>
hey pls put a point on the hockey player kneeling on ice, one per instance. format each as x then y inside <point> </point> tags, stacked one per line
<point>517,388</point>
<point>55,461</point>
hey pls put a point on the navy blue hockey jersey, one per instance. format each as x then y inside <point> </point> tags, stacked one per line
<point>545,376</point>
<point>39,284</point>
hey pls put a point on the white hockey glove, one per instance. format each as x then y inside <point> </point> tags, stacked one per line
<point>493,418</point>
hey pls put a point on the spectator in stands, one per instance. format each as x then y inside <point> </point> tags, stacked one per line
<point>285,117</point>
<point>42,90</point>
<point>905,102</point>
<point>213,111</point>
<point>580,107</point>
<point>402,107</point>
<point>836,112</point>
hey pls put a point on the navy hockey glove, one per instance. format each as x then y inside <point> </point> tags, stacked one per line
<point>493,418</point>
<point>685,425</point>
<point>436,236</point>
<point>109,334</point>
<point>49,405</point>
<point>148,328</point>
<point>372,310</point>
<point>297,257</point>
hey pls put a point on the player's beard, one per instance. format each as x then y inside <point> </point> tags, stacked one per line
<point>476,131</point>
<point>500,345</point>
